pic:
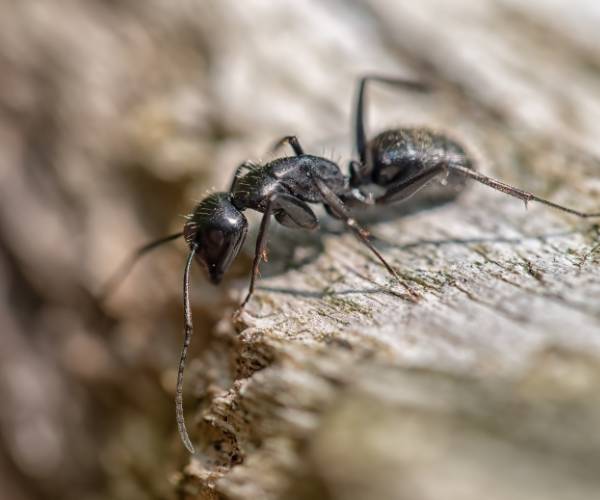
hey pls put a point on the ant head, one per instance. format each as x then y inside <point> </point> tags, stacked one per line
<point>218,229</point>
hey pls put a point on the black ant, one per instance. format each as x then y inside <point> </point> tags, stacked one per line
<point>400,161</point>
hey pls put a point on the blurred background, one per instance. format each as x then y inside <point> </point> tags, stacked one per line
<point>116,116</point>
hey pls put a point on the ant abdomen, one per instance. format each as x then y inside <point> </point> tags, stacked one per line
<point>399,155</point>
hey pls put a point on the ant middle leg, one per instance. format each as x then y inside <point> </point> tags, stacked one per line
<point>337,208</point>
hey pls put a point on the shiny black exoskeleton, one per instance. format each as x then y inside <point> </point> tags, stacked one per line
<point>398,162</point>
<point>216,229</point>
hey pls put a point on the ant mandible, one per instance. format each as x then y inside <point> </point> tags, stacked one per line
<point>400,161</point>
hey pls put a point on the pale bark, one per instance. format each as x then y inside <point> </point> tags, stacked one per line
<point>116,116</point>
<point>487,385</point>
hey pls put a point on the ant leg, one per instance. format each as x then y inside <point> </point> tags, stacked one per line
<point>188,332</point>
<point>406,188</point>
<point>339,210</point>
<point>359,124</point>
<point>289,211</point>
<point>259,253</point>
<point>238,172</point>
<point>125,268</point>
<point>525,196</point>
<point>356,178</point>
<point>292,140</point>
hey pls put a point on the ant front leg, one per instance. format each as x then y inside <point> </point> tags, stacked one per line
<point>292,140</point>
<point>291,212</point>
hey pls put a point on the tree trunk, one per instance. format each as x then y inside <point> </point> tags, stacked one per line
<point>341,386</point>
<point>335,382</point>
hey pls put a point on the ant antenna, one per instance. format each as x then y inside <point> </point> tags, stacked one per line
<point>525,196</point>
<point>117,278</point>
<point>188,332</point>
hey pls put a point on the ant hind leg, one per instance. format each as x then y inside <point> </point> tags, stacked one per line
<point>525,196</point>
<point>359,113</point>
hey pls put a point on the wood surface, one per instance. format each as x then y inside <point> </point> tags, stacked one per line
<point>116,116</point>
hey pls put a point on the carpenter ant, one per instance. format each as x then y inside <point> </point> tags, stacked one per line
<point>400,162</point>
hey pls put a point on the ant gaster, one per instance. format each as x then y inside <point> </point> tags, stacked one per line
<point>401,162</point>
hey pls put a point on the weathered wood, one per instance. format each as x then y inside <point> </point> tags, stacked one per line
<point>507,298</point>
<point>115,116</point>
<point>486,386</point>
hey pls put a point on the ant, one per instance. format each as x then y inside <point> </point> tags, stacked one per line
<point>400,162</point>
